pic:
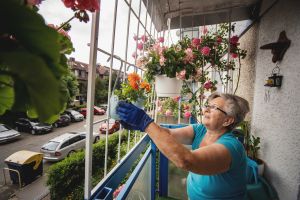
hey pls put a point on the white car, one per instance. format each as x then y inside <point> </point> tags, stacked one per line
<point>64,145</point>
<point>7,134</point>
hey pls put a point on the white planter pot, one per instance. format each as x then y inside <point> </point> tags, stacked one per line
<point>261,168</point>
<point>167,87</point>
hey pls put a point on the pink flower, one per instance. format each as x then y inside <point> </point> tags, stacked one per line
<point>204,30</point>
<point>205,51</point>
<point>208,85</point>
<point>234,40</point>
<point>117,191</point>
<point>161,39</point>
<point>159,109</point>
<point>90,5</point>
<point>34,2</point>
<point>134,55</point>
<point>181,75</point>
<point>234,55</point>
<point>69,3</point>
<point>196,41</point>
<point>187,114</point>
<point>162,60</point>
<point>176,98</point>
<point>189,56</point>
<point>156,47</point>
<point>219,40</point>
<point>168,113</point>
<point>140,46</point>
<point>135,37</point>
<point>158,102</point>
<point>144,38</point>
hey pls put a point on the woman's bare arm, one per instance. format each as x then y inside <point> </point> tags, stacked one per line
<point>207,160</point>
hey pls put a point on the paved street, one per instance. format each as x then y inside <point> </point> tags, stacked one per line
<point>34,143</point>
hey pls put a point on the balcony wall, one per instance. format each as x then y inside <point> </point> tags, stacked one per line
<point>276,120</point>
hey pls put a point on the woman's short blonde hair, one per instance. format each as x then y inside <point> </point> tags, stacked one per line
<point>235,106</point>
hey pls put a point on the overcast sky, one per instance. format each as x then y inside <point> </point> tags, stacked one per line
<point>56,13</point>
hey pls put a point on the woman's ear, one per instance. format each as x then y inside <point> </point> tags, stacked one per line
<point>229,120</point>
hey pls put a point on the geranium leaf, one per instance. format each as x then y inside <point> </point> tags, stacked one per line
<point>42,86</point>
<point>29,28</point>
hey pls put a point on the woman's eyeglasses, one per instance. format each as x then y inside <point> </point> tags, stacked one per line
<point>214,107</point>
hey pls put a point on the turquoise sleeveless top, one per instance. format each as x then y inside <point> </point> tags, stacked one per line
<point>227,185</point>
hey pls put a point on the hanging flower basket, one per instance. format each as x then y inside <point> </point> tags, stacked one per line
<point>167,87</point>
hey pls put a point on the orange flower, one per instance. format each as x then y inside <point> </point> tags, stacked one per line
<point>134,84</point>
<point>146,86</point>
<point>133,77</point>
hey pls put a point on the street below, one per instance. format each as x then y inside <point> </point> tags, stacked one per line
<point>31,142</point>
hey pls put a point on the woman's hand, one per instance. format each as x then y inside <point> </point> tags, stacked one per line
<point>132,117</point>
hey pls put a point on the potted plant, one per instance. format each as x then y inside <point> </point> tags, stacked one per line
<point>191,61</point>
<point>252,146</point>
<point>134,90</point>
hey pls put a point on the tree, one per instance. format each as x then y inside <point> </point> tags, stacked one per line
<point>70,86</point>
<point>101,88</point>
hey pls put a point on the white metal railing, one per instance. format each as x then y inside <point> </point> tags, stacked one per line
<point>91,81</point>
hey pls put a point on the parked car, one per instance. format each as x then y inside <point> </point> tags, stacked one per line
<point>64,120</point>
<point>62,146</point>
<point>74,115</point>
<point>114,126</point>
<point>25,125</point>
<point>97,111</point>
<point>8,134</point>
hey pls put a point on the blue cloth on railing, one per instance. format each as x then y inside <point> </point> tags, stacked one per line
<point>261,190</point>
<point>251,171</point>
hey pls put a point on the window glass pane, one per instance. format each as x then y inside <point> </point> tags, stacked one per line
<point>177,182</point>
<point>50,146</point>
<point>142,187</point>
<point>3,128</point>
<point>64,145</point>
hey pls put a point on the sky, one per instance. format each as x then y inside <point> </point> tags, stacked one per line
<point>54,12</point>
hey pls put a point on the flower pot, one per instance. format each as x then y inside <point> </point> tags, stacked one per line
<point>260,166</point>
<point>167,87</point>
<point>114,100</point>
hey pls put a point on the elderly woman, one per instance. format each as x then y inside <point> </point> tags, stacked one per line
<point>217,161</point>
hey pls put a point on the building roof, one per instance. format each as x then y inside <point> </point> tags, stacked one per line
<point>100,69</point>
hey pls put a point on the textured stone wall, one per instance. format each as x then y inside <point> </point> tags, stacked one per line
<point>245,87</point>
<point>277,119</point>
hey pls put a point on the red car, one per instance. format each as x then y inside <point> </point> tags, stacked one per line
<point>97,111</point>
<point>113,126</point>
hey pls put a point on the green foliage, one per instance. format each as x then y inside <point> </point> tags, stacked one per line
<point>252,143</point>
<point>101,88</point>
<point>66,178</point>
<point>69,85</point>
<point>32,63</point>
<point>254,147</point>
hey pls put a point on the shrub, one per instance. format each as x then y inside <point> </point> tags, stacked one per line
<point>66,178</point>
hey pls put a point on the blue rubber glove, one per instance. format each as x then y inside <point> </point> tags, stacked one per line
<point>132,117</point>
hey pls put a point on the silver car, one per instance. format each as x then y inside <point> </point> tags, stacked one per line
<point>64,145</point>
<point>7,134</point>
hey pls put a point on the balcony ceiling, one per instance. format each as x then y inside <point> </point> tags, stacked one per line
<point>200,12</point>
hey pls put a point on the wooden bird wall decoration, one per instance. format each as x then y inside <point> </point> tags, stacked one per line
<point>278,48</point>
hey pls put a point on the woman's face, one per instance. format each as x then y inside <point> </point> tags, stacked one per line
<point>214,115</point>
